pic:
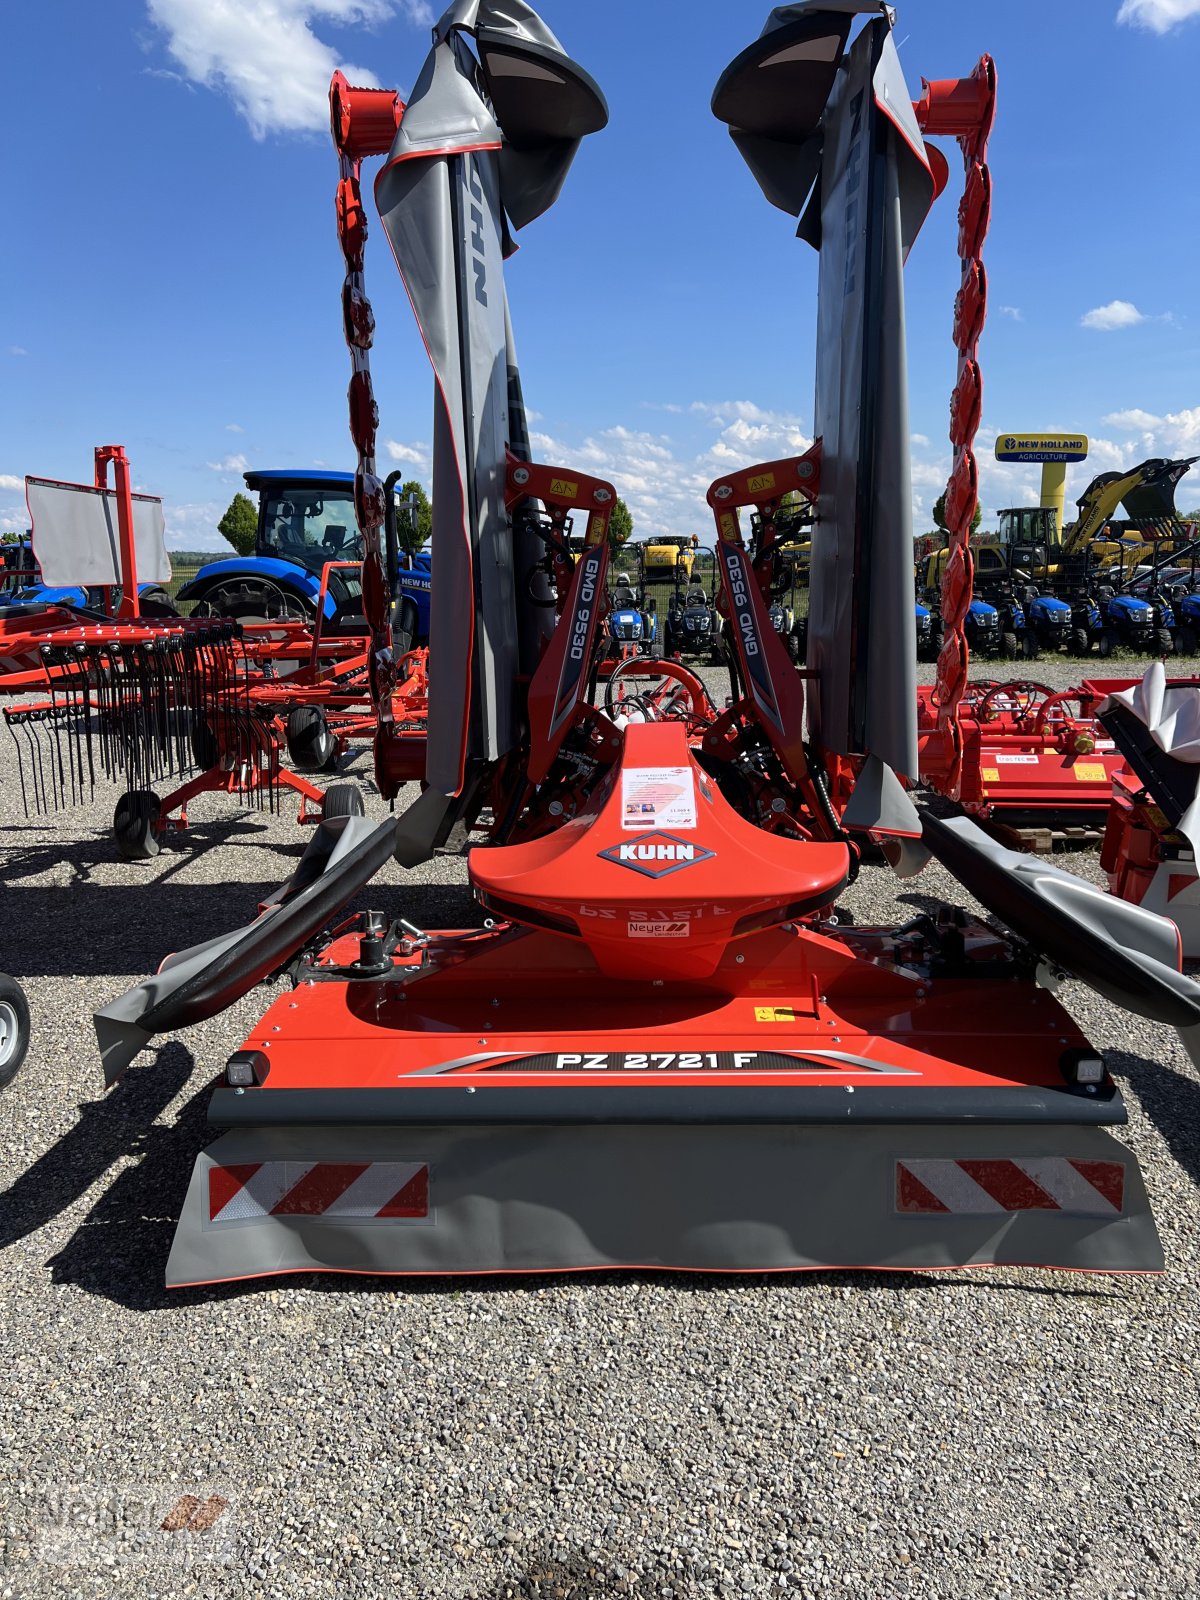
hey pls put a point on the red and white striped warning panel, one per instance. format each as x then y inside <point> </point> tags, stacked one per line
<point>336,1190</point>
<point>978,1188</point>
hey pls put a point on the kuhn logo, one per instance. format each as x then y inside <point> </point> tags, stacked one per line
<point>656,855</point>
<point>478,248</point>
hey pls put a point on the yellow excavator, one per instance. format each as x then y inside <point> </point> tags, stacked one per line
<point>1147,493</point>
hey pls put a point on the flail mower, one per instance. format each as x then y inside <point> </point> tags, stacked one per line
<point>661,1048</point>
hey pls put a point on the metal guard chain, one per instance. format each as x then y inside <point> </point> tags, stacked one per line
<point>966,405</point>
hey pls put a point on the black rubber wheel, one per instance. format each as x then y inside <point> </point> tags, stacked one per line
<point>1078,642</point>
<point>1030,645</point>
<point>204,745</point>
<point>157,603</point>
<point>1108,642</point>
<point>1164,642</point>
<point>1009,647</point>
<point>655,650</point>
<point>1187,641</point>
<point>343,800</point>
<point>135,825</point>
<point>405,621</point>
<point>311,746</point>
<point>14,1028</point>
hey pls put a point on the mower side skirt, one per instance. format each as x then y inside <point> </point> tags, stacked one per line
<point>710,1199</point>
<point>477,1102</point>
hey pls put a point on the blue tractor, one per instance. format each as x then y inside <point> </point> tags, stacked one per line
<point>21,585</point>
<point>305,520</point>
<point>1144,626</point>
<point>929,631</point>
<point>632,619</point>
<point>989,631</point>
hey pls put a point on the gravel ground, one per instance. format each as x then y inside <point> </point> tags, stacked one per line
<point>999,1434</point>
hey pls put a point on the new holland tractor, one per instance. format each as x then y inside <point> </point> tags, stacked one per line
<point>305,522</point>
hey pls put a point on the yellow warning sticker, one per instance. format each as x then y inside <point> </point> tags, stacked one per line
<point>990,775</point>
<point>774,1014</point>
<point>1089,772</point>
<point>564,487</point>
<point>728,524</point>
<point>762,480</point>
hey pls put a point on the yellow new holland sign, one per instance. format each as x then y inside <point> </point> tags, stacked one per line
<point>1042,447</point>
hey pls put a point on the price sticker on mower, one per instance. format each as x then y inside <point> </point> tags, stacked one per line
<point>1089,772</point>
<point>658,797</point>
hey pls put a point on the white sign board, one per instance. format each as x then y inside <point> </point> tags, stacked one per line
<point>76,540</point>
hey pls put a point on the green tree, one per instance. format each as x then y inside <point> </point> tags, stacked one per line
<point>413,536</point>
<point>620,525</point>
<point>12,537</point>
<point>939,515</point>
<point>240,524</point>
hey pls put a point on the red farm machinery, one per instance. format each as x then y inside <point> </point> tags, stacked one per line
<point>659,1047</point>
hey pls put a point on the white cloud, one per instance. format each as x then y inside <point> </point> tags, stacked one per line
<point>17,350</point>
<point>663,481</point>
<point>1116,314</point>
<point>265,56</point>
<point>233,427</point>
<point>1160,16</point>
<point>7,481</point>
<point>1014,312</point>
<point>194,526</point>
<point>416,454</point>
<point>230,464</point>
<point>919,441</point>
<point>1175,434</point>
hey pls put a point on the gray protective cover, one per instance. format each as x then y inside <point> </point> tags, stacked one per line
<point>861,626</point>
<point>1170,713</point>
<point>786,170</point>
<point>708,1199</point>
<point>75,537</point>
<point>449,185</point>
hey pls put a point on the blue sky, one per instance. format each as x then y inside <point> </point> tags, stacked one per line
<point>173,283</point>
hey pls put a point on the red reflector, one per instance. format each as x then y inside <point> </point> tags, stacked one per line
<point>992,1186</point>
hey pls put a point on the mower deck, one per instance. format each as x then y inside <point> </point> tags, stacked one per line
<point>492,1103</point>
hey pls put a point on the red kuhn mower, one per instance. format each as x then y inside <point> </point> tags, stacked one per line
<point>660,1049</point>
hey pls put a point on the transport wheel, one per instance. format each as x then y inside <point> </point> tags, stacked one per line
<point>204,745</point>
<point>1078,642</point>
<point>14,1028</point>
<point>135,825</point>
<point>1164,642</point>
<point>405,622</point>
<point>1030,645</point>
<point>343,800</point>
<point>1009,647</point>
<point>311,746</point>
